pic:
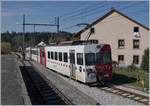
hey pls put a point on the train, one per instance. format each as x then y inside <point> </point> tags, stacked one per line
<point>85,61</point>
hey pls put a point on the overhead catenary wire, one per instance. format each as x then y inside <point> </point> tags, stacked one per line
<point>85,11</point>
<point>112,18</point>
<point>120,9</point>
<point>73,12</point>
<point>77,12</point>
<point>90,13</point>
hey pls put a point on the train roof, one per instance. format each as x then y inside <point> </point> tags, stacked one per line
<point>72,43</point>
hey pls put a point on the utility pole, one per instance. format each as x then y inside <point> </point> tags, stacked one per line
<point>58,24</point>
<point>23,36</point>
<point>34,37</point>
<point>34,25</point>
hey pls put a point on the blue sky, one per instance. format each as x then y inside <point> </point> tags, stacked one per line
<point>70,13</point>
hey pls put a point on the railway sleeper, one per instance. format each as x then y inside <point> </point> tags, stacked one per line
<point>44,88</point>
<point>52,98</point>
<point>55,102</point>
<point>43,85</point>
<point>49,94</point>
<point>47,91</point>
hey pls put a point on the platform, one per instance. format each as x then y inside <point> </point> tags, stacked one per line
<point>13,90</point>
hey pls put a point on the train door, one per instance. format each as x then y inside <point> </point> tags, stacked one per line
<point>72,64</point>
<point>42,56</point>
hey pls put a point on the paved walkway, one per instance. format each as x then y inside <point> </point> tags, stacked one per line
<point>11,91</point>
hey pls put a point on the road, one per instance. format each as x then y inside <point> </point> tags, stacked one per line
<point>11,91</point>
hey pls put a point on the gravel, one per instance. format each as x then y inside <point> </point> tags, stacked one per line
<point>102,97</point>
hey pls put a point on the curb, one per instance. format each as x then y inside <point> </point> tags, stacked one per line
<point>25,95</point>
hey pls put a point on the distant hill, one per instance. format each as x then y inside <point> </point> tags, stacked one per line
<point>32,39</point>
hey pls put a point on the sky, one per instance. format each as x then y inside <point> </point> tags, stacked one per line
<point>70,13</point>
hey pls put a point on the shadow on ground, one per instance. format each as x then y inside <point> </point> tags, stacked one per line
<point>119,79</point>
<point>33,93</point>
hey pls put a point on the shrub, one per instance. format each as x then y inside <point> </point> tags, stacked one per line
<point>5,47</point>
<point>132,67</point>
<point>145,61</point>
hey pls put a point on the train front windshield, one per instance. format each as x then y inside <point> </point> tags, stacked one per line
<point>98,58</point>
<point>106,58</point>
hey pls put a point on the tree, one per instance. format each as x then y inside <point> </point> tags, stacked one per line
<point>145,61</point>
<point>5,47</point>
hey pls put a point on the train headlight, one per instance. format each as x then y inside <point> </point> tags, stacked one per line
<point>92,75</point>
<point>89,71</point>
<point>106,75</point>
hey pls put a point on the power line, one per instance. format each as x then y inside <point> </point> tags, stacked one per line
<point>85,11</point>
<point>73,13</point>
<point>114,17</point>
<point>126,7</point>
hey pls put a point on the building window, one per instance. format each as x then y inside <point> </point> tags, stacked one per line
<point>121,43</point>
<point>60,56</point>
<point>65,57</point>
<point>120,59</point>
<point>52,55</point>
<point>56,56</point>
<point>136,29</point>
<point>80,58</point>
<point>135,59</point>
<point>92,30</point>
<point>49,55</point>
<point>136,44</point>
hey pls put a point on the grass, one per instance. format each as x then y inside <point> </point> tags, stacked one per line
<point>130,77</point>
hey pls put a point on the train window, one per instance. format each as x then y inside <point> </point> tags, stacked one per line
<point>72,58</point>
<point>49,55</point>
<point>56,58</point>
<point>89,59</point>
<point>98,58</point>
<point>52,55</point>
<point>34,52</point>
<point>80,58</point>
<point>60,56</point>
<point>65,57</point>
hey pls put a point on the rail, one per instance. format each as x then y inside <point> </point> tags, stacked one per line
<point>134,96</point>
<point>50,94</point>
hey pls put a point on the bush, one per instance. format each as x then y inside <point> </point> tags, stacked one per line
<point>145,61</point>
<point>5,47</point>
<point>132,67</point>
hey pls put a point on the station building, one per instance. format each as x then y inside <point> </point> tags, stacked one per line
<point>128,38</point>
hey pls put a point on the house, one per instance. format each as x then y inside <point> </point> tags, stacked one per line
<point>128,38</point>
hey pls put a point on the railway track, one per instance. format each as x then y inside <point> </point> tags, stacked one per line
<point>49,93</point>
<point>126,94</point>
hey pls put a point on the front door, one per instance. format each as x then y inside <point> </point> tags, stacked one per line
<point>41,62</point>
<point>72,64</point>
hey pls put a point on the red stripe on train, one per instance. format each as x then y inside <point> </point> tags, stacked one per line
<point>44,56</point>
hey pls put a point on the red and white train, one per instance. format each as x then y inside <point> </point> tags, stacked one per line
<point>81,60</point>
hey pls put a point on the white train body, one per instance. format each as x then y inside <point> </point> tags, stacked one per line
<point>87,63</point>
<point>28,53</point>
<point>74,69</point>
<point>35,54</point>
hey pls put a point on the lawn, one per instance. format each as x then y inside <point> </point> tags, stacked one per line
<point>134,78</point>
